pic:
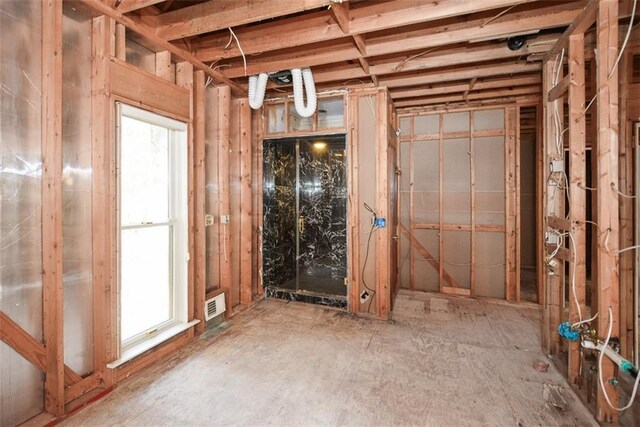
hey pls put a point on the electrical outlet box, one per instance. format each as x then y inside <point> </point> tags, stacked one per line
<point>552,238</point>
<point>364,296</point>
<point>208,220</point>
<point>381,222</point>
<point>225,219</point>
<point>557,166</point>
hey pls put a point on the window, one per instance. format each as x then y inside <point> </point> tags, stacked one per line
<point>153,239</point>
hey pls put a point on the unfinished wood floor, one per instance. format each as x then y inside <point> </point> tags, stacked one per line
<point>442,361</point>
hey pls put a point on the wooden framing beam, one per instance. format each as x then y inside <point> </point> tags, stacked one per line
<point>462,55</point>
<point>305,56</point>
<point>524,90</point>
<point>246,206</point>
<point>473,29</point>
<point>163,65</point>
<point>580,25</point>
<point>551,311</point>
<point>353,143</point>
<point>126,6</point>
<point>148,33</point>
<point>184,79</point>
<point>578,200</point>
<point>26,346</point>
<point>428,256</point>
<point>212,16</point>
<point>466,73</point>
<point>608,220</point>
<point>448,88</point>
<point>224,202</point>
<point>340,13</point>
<point>383,237</point>
<point>105,336</point>
<point>560,89</point>
<point>321,27</point>
<point>511,150</point>
<point>52,270</point>
<point>386,15</point>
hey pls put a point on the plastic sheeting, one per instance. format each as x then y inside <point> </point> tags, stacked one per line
<point>426,182</point>
<point>76,187</point>
<point>456,198</point>
<point>489,180</point>
<point>426,275</point>
<point>21,384</point>
<point>141,57</point>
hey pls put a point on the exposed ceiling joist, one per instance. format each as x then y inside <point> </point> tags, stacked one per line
<point>464,55</point>
<point>340,13</point>
<point>346,51</point>
<point>524,100</point>
<point>558,15</point>
<point>126,6</point>
<point>448,88</point>
<point>467,73</point>
<point>375,16</point>
<point>321,26</point>
<point>216,15</point>
<point>472,96</point>
<point>309,28</point>
<point>148,33</point>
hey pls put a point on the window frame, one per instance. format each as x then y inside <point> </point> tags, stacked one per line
<point>177,222</point>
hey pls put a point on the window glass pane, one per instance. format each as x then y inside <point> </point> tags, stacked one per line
<point>275,118</point>
<point>144,173</point>
<point>330,113</point>
<point>146,290</point>
<point>298,123</point>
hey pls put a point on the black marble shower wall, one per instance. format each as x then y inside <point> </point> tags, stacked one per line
<point>279,222</point>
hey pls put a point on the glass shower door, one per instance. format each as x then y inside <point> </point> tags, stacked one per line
<point>322,216</point>
<point>305,213</point>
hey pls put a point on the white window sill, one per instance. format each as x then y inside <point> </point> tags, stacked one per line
<point>147,345</point>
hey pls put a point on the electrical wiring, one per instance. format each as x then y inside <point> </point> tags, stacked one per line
<point>581,322</point>
<point>499,15</point>
<point>601,380</point>
<point>244,58</point>
<point>627,196</point>
<point>626,39</point>
<point>619,251</point>
<point>584,187</point>
<point>366,258</point>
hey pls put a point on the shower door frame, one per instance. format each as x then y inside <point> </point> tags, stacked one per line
<point>296,137</point>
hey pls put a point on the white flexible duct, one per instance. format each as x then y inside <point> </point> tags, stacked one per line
<point>312,100</point>
<point>257,87</point>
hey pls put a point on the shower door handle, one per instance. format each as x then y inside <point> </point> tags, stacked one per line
<point>301,224</point>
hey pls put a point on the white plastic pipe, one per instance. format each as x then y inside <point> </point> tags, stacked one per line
<point>257,88</point>
<point>312,100</point>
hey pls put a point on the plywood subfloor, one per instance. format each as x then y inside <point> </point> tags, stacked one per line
<point>442,361</point>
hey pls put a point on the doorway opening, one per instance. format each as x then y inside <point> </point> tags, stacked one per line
<point>304,234</point>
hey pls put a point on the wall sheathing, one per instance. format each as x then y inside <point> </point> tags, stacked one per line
<point>66,324</point>
<point>457,226</point>
<point>21,383</point>
<point>76,187</point>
